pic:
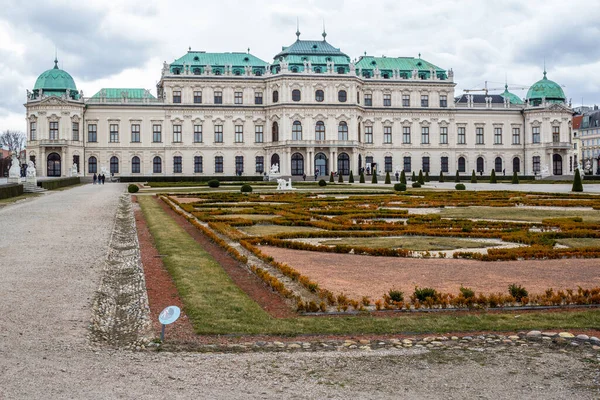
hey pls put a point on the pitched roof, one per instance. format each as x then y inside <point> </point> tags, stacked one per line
<point>400,63</point>
<point>202,58</point>
<point>310,47</point>
<point>577,121</point>
<point>119,93</point>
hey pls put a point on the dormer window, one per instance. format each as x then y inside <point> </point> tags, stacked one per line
<point>196,71</point>
<point>317,70</point>
<point>314,46</point>
<point>196,58</point>
<point>341,70</point>
<point>294,69</point>
<point>246,59</point>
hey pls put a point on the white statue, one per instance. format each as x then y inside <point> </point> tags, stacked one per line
<point>74,171</point>
<point>30,169</point>
<point>282,184</point>
<point>588,167</point>
<point>274,168</point>
<point>14,173</point>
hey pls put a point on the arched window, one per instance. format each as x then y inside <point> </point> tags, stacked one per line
<point>177,164</point>
<point>157,165</point>
<point>197,71</point>
<point>462,164</point>
<point>498,165</point>
<point>343,131</point>
<point>54,164</point>
<point>516,164</point>
<point>341,70</point>
<point>135,165</point>
<point>320,131</point>
<point>321,165</point>
<point>275,96</point>
<point>296,95</point>
<point>479,164</point>
<point>343,164</point>
<point>275,132</point>
<point>296,130</point>
<point>342,96</point>
<point>297,164</point>
<point>557,164</point>
<point>319,95</point>
<point>294,69</point>
<point>114,165</point>
<point>317,70</point>
<point>92,165</point>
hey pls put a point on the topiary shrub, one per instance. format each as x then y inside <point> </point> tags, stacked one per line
<point>427,176</point>
<point>396,295</point>
<point>362,177</point>
<point>457,177</point>
<point>422,294</point>
<point>515,178</point>
<point>577,184</point>
<point>460,186</point>
<point>322,182</point>
<point>351,177</point>
<point>403,177</point>
<point>133,188</point>
<point>400,187</point>
<point>473,177</point>
<point>388,180</point>
<point>214,183</point>
<point>416,184</point>
<point>414,177</point>
<point>517,291</point>
<point>493,177</point>
<point>331,178</point>
<point>374,178</point>
<point>246,188</point>
<point>441,176</point>
<point>340,178</point>
<point>420,179</point>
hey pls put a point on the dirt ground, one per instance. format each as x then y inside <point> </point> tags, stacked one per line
<point>373,276</point>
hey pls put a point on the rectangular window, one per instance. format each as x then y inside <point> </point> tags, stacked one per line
<point>461,135</point>
<point>197,97</point>
<point>198,164</point>
<point>177,133</point>
<point>443,135</point>
<point>387,100</point>
<point>260,164</point>
<point>388,164</point>
<point>406,100</point>
<point>258,134</point>
<point>92,133</point>
<point>407,164</point>
<point>258,98</point>
<point>238,98</point>
<point>425,164</point>
<point>536,164</point>
<point>387,134</point>
<point>535,134</point>
<point>368,134</point>
<point>444,162</point>
<point>478,135</point>
<point>239,133</point>
<point>406,135</point>
<point>176,96</point>
<point>219,98</point>
<point>424,100</point>
<point>53,134</point>
<point>556,134</point>
<point>219,164</point>
<point>157,133</point>
<point>219,134</point>
<point>177,168</point>
<point>135,133</point>
<point>114,133</point>
<point>75,127</point>
<point>32,130</point>
<point>197,133</point>
<point>368,99</point>
<point>516,136</point>
<point>239,165</point>
<point>497,135</point>
<point>425,135</point>
<point>443,101</point>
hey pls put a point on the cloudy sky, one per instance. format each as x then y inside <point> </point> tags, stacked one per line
<point>122,43</point>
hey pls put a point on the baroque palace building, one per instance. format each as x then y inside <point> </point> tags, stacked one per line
<point>311,111</point>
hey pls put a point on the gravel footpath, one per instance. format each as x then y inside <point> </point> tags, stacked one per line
<point>52,252</point>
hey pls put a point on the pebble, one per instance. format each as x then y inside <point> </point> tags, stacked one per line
<point>566,335</point>
<point>534,334</point>
<point>582,337</point>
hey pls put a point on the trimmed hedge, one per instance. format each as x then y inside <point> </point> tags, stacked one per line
<point>133,188</point>
<point>460,186</point>
<point>58,183</point>
<point>246,188</point>
<point>214,183</point>
<point>416,184</point>
<point>11,190</point>
<point>322,182</point>
<point>400,187</point>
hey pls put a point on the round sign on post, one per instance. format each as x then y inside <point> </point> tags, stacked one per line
<point>166,317</point>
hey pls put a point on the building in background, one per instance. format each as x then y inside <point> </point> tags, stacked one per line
<point>588,140</point>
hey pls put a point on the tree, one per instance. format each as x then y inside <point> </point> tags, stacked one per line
<point>515,178</point>
<point>473,177</point>
<point>362,178</point>
<point>414,177</point>
<point>403,177</point>
<point>493,177</point>
<point>351,177</point>
<point>577,185</point>
<point>388,180</point>
<point>427,176</point>
<point>457,178</point>
<point>14,141</point>
<point>374,178</point>
<point>421,180</point>
<point>340,178</point>
<point>441,176</point>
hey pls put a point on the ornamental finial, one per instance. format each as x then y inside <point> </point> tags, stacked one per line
<point>55,58</point>
<point>324,34</point>
<point>297,28</point>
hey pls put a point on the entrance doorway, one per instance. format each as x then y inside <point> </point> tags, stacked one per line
<point>557,164</point>
<point>343,164</point>
<point>54,165</point>
<point>321,164</point>
<point>275,160</point>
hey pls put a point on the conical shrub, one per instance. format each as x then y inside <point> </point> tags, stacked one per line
<point>457,178</point>
<point>403,177</point>
<point>388,180</point>
<point>441,176</point>
<point>340,178</point>
<point>362,178</point>
<point>473,177</point>
<point>515,178</point>
<point>414,177</point>
<point>374,178</point>
<point>421,180</point>
<point>577,184</point>
<point>427,176</point>
<point>493,177</point>
<point>331,178</point>
<point>351,177</point>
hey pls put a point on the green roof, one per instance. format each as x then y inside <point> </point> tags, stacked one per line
<point>546,89</point>
<point>512,98</point>
<point>310,48</point>
<point>118,93</point>
<point>403,64</point>
<point>55,79</point>
<point>200,59</point>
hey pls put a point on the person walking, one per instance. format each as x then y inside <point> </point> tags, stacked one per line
<point>95,178</point>
<point>397,176</point>
<point>103,178</point>
<point>303,176</point>
<point>316,174</point>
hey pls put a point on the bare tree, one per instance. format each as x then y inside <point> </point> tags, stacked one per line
<point>13,141</point>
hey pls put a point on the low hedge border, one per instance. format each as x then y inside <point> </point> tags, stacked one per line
<point>11,190</point>
<point>59,183</point>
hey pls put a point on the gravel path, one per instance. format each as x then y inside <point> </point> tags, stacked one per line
<point>52,250</point>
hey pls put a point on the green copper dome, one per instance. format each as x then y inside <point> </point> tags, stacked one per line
<point>545,89</point>
<point>55,81</point>
<point>512,98</point>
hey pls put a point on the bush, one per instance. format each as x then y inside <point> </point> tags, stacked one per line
<point>396,295</point>
<point>322,182</point>
<point>388,180</point>
<point>374,178</point>
<point>414,177</point>
<point>473,177</point>
<point>246,188</point>
<point>362,177</point>
<point>351,177</point>
<point>442,176</point>
<point>214,183</point>
<point>400,187</point>
<point>577,185</point>
<point>421,180</point>
<point>460,186</point>
<point>457,178</point>
<point>515,178</point>
<point>422,294</point>
<point>493,177</point>
<point>331,178</point>
<point>133,188</point>
<point>416,185</point>
<point>58,183</point>
<point>467,293</point>
<point>403,177</point>
<point>11,190</point>
<point>427,177</point>
<point>517,291</point>
<point>340,178</point>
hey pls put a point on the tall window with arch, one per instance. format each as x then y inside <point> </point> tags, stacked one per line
<point>157,165</point>
<point>297,164</point>
<point>462,164</point>
<point>296,96</point>
<point>343,131</point>
<point>275,132</point>
<point>479,164</point>
<point>320,131</point>
<point>516,164</point>
<point>319,95</point>
<point>498,165</point>
<point>275,96</point>
<point>297,130</point>
<point>114,165</point>
<point>92,165</point>
<point>135,165</point>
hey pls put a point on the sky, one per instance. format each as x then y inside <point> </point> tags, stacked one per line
<point>123,43</point>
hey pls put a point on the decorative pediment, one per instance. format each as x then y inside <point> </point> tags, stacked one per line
<point>535,122</point>
<point>425,123</point>
<point>387,122</point>
<point>53,118</point>
<point>555,122</point>
<point>218,121</point>
<point>296,117</point>
<point>134,120</point>
<point>239,121</point>
<point>443,123</point>
<point>176,120</point>
<point>320,117</point>
<point>53,100</point>
<point>368,122</point>
<point>259,120</point>
<point>406,122</point>
<point>32,118</point>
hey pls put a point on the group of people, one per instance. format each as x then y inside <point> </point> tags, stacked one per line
<point>99,178</point>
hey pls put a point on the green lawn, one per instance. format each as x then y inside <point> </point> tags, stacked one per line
<point>215,305</point>
<point>418,243</point>
<point>516,214</point>
<point>579,242</point>
<point>267,230</point>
